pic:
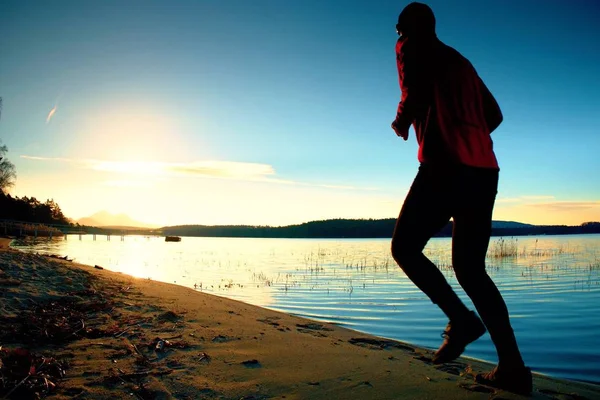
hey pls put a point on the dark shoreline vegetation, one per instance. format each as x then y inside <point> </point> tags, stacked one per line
<point>363,228</point>
<point>30,209</point>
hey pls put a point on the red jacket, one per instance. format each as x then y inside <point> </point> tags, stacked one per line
<point>452,111</point>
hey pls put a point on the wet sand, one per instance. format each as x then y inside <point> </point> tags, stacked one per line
<point>136,338</point>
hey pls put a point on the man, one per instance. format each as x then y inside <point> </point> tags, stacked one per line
<point>453,114</point>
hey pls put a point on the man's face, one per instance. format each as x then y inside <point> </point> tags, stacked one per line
<point>401,32</point>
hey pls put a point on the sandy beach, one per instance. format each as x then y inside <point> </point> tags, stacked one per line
<point>125,337</point>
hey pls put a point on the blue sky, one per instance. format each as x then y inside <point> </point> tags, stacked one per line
<point>274,112</point>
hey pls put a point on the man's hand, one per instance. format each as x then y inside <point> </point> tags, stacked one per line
<point>400,131</point>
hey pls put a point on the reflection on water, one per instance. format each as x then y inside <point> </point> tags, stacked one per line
<point>551,285</point>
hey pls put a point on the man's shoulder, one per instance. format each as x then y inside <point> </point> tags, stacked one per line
<point>452,56</point>
<point>450,51</point>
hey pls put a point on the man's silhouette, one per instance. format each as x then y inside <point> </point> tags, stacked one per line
<point>453,114</point>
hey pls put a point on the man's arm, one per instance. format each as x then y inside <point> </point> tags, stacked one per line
<point>491,109</point>
<point>413,80</point>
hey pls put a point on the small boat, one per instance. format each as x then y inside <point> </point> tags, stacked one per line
<point>172,239</point>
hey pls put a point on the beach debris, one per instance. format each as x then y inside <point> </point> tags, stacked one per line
<point>58,321</point>
<point>174,337</point>
<point>204,357</point>
<point>9,282</point>
<point>66,258</point>
<point>98,267</point>
<point>160,345</point>
<point>25,375</point>
<point>120,375</point>
<point>123,332</point>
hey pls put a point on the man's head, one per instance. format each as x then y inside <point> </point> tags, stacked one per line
<point>416,19</point>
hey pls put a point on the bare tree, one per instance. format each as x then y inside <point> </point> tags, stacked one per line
<point>8,172</point>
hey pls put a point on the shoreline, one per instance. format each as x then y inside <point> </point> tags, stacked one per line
<point>223,348</point>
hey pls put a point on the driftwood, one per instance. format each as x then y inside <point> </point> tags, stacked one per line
<point>25,375</point>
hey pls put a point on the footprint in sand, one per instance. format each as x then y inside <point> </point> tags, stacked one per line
<point>453,368</point>
<point>311,332</point>
<point>423,358</point>
<point>222,339</point>
<point>363,383</point>
<point>473,387</point>
<point>380,344</point>
<point>270,321</point>
<point>251,364</point>
<point>312,329</point>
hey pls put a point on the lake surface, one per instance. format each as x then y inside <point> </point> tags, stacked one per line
<point>551,285</point>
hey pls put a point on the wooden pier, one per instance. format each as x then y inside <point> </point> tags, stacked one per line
<point>50,231</point>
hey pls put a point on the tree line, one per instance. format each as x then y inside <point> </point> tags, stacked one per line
<point>359,228</point>
<point>27,209</point>
<point>30,209</point>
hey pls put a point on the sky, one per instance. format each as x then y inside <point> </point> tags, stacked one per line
<point>272,112</point>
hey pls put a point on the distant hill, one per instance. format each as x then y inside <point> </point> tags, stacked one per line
<point>362,228</point>
<point>108,220</point>
<point>509,225</point>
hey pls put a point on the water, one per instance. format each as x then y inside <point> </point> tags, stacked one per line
<point>551,286</point>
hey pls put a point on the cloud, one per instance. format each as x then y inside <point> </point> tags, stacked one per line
<point>524,199</point>
<point>48,159</point>
<point>538,202</point>
<point>255,172</point>
<point>542,197</point>
<point>219,169</point>
<point>509,200</point>
<point>225,169</point>
<point>565,206</point>
<point>51,114</point>
<point>128,183</point>
<point>346,187</point>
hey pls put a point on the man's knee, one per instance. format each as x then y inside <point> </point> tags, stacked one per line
<point>472,277</point>
<point>404,250</point>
